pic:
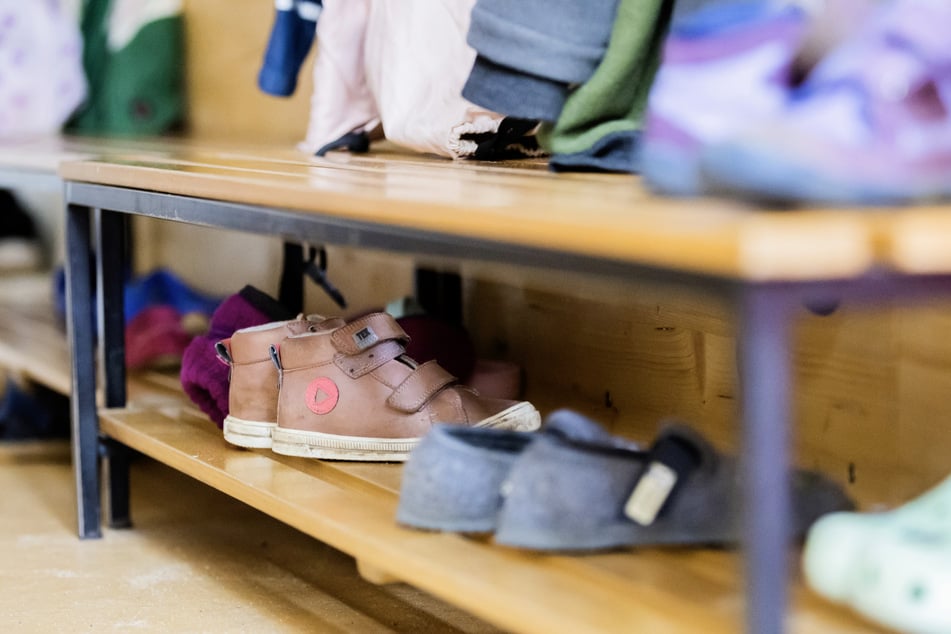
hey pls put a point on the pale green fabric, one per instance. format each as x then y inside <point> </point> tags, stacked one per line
<point>613,100</point>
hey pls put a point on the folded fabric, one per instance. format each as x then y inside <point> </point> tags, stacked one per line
<point>292,35</point>
<point>600,124</point>
<point>161,287</point>
<point>375,76</point>
<point>41,65</point>
<point>531,52</point>
<point>417,93</point>
<point>156,337</point>
<point>686,7</point>
<point>204,377</point>
<point>341,104</point>
<point>133,55</point>
<point>157,288</point>
<point>576,495</point>
<point>453,480</point>
<point>893,567</point>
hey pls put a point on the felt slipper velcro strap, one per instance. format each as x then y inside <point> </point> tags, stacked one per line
<point>367,331</point>
<point>370,359</point>
<point>670,461</point>
<point>420,386</point>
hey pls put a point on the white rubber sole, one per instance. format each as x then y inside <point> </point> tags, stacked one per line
<point>248,433</point>
<point>314,444</point>
<point>520,417</point>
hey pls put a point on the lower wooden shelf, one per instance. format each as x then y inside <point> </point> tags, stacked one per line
<point>33,344</point>
<point>351,507</point>
<point>32,341</point>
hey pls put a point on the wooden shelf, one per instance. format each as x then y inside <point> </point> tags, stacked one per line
<point>33,344</point>
<point>522,205</point>
<point>351,507</point>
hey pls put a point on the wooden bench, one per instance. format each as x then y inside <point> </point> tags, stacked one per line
<point>32,340</point>
<point>765,263</point>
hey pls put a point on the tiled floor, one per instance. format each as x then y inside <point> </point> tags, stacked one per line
<point>196,561</point>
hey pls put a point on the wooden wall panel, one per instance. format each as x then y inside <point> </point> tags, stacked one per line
<point>924,380</point>
<point>630,359</point>
<point>847,400</point>
<point>225,41</point>
<point>622,353</point>
<point>628,363</point>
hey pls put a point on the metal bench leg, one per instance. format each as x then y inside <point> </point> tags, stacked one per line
<point>764,337</point>
<point>111,269</point>
<point>85,423</point>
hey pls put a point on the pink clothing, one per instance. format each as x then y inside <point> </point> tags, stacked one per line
<point>341,102</point>
<point>401,64</point>
<point>417,60</point>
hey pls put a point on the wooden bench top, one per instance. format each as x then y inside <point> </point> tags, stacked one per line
<point>517,202</point>
<point>46,153</point>
<point>601,215</point>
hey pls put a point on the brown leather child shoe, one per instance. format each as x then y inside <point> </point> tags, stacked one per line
<point>352,394</point>
<point>253,389</point>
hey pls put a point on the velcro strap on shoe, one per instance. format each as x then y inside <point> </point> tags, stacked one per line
<point>368,331</point>
<point>420,386</point>
<point>670,461</point>
<point>370,359</point>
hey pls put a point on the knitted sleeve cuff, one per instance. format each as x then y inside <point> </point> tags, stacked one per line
<point>549,45</point>
<point>513,93</point>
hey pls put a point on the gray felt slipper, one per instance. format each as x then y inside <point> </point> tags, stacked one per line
<point>452,479</point>
<point>576,495</point>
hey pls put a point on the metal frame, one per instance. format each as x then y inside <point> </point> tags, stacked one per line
<point>16,177</point>
<point>765,310</point>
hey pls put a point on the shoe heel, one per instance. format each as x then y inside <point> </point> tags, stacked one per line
<point>248,434</point>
